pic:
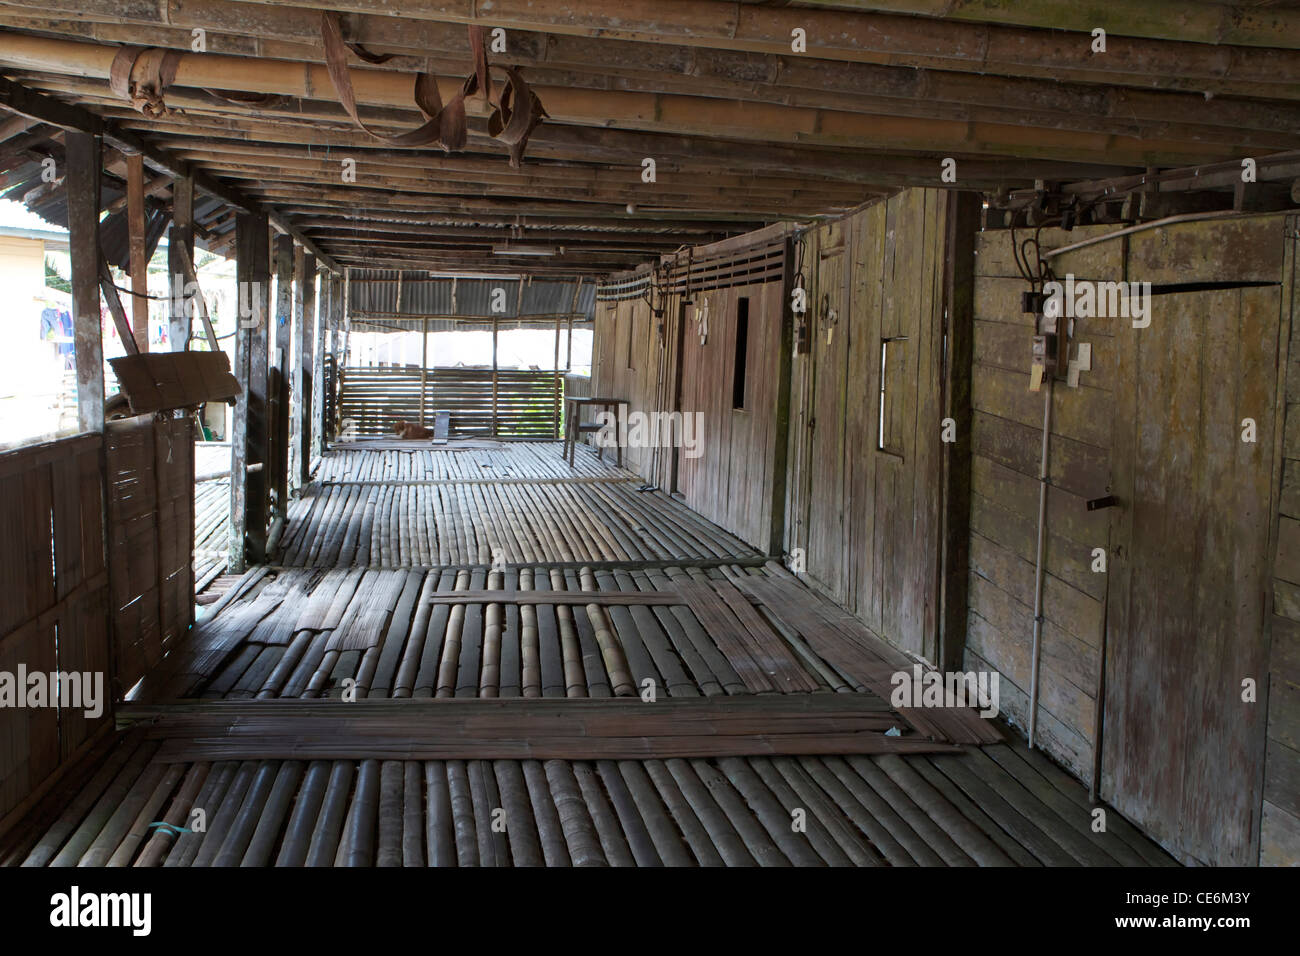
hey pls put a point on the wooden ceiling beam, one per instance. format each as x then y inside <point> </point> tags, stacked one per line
<point>342,198</point>
<point>334,227</point>
<point>532,265</point>
<point>1193,20</point>
<point>576,201</point>
<point>436,242</point>
<point>355,214</point>
<point>463,168</point>
<point>614,146</point>
<point>48,110</point>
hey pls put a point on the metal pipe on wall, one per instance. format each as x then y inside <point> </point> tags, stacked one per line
<point>1043,482</point>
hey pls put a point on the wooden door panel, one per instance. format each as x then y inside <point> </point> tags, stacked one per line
<point>1189,570</point>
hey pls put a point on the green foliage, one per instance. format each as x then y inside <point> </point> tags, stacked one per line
<point>54,280</point>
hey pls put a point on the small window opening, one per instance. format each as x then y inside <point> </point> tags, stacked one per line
<point>742,347</point>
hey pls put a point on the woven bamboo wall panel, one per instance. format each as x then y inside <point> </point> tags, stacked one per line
<point>52,598</point>
<point>151,529</point>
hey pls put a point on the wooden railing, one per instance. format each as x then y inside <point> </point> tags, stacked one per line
<point>522,404</point>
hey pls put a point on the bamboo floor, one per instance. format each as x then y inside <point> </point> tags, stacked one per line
<point>626,685</point>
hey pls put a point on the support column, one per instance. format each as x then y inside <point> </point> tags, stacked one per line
<point>784,373</point>
<point>306,352</point>
<point>424,363</point>
<point>180,236</point>
<point>291,362</point>
<point>559,387</point>
<point>139,250</point>
<point>84,158</point>
<point>338,289</point>
<point>248,443</point>
<point>963,223</point>
<point>496,321</point>
<point>282,346</point>
<point>318,368</point>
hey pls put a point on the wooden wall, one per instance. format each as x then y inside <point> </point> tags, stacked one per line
<point>628,362</point>
<point>1180,616</point>
<point>864,500</point>
<point>640,358</point>
<point>1146,687</point>
<point>53,601</point>
<point>730,483</point>
<point>1007,422</point>
<point>150,463</point>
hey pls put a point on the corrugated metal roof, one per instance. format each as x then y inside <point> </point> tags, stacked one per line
<point>114,233</point>
<point>373,299</point>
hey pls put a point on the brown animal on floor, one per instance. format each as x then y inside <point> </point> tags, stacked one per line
<point>410,430</point>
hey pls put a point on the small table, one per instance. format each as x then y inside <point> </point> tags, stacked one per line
<point>573,427</point>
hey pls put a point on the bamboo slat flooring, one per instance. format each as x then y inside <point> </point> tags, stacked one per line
<point>211,530</point>
<point>385,783</point>
<point>474,522</point>
<point>394,460</point>
<point>996,806</point>
<point>516,503</point>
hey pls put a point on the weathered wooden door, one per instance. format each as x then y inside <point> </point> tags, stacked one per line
<point>874,480</point>
<point>1189,568</point>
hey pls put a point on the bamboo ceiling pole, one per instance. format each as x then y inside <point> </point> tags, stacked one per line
<point>581,62</point>
<point>603,107</point>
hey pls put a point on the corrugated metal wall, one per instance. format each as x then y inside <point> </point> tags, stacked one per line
<point>373,294</point>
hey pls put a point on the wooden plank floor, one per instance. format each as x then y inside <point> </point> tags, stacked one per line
<point>383,623</point>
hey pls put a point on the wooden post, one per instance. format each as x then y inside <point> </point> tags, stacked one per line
<point>317,381</point>
<point>279,379</point>
<point>292,361</point>
<point>679,351</point>
<point>139,250</point>
<point>306,351</point>
<point>784,371</point>
<point>83,170</point>
<point>180,237</point>
<point>496,321</point>
<point>558,389</point>
<point>248,442</point>
<point>424,362</point>
<point>338,290</point>
<point>959,291</point>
